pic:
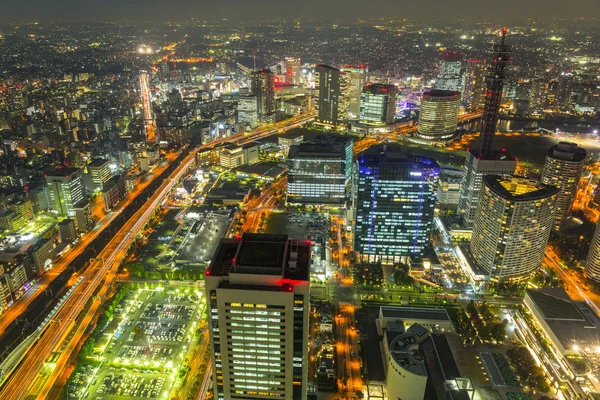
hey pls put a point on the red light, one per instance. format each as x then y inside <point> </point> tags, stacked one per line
<point>233,260</point>
<point>503,150</point>
<point>307,241</point>
<point>207,273</point>
<point>384,90</point>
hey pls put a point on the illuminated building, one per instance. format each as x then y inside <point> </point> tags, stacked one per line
<point>592,265</point>
<point>98,173</point>
<point>257,289</point>
<point>320,171</point>
<point>474,88</point>
<point>539,96</point>
<point>264,90</point>
<point>356,80</point>
<point>327,85</point>
<point>65,187</point>
<point>485,160</point>
<point>563,168</point>
<point>247,111</point>
<point>438,118</point>
<point>500,163</point>
<point>512,226</point>
<point>83,216</point>
<point>378,104</point>
<point>292,71</point>
<point>149,122</point>
<point>449,72</point>
<point>394,204</point>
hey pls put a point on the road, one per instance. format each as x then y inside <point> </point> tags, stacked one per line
<point>63,333</point>
<point>21,305</point>
<point>347,351</point>
<point>261,204</point>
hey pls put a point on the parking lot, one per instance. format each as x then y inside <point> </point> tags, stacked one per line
<point>144,352</point>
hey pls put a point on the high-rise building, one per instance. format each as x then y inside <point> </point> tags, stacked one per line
<point>449,72</point>
<point>378,104</point>
<point>485,160</point>
<point>473,97</point>
<point>65,187</point>
<point>512,226</point>
<point>292,71</point>
<point>257,289</point>
<point>327,84</point>
<point>264,90</point>
<point>592,265</point>
<point>539,96</point>
<point>99,173</point>
<point>500,163</point>
<point>563,168</point>
<point>438,118</point>
<point>356,78</point>
<point>394,204</point>
<point>247,111</point>
<point>320,171</point>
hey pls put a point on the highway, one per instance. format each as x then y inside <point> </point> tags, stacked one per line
<point>60,336</point>
<point>21,305</point>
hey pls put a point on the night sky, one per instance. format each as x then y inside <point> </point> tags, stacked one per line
<point>157,10</point>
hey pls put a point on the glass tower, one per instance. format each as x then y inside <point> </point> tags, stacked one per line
<point>394,206</point>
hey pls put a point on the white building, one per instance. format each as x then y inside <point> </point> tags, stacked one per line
<point>247,111</point>
<point>258,291</point>
<point>65,187</point>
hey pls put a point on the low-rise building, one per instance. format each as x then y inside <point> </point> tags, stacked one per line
<point>83,216</point>
<point>431,318</point>
<point>67,230</point>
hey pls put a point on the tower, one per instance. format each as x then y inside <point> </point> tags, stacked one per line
<point>257,289</point>
<point>394,204</point>
<point>328,86</point>
<point>512,226</point>
<point>496,77</point>
<point>485,160</point>
<point>264,90</point>
<point>378,104</point>
<point>438,118</point>
<point>563,168</point>
<point>474,89</point>
<point>592,265</point>
<point>450,72</point>
<point>66,190</point>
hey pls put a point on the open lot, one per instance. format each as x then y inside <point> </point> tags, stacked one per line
<point>141,354</point>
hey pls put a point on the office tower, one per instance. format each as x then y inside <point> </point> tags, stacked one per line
<point>564,89</point>
<point>473,97</point>
<point>438,118</point>
<point>264,90</point>
<point>356,78</point>
<point>512,226</point>
<point>485,160</point>
<point>257,289</point>
<point>394,205</point>
<point>99,173</point>
<point>562,169</point>
<point>65,187</point>
<point>501,163</point>
<point>539,96</point>
<point>449,72</point>
<point>327,84</point>
<point>378,104</point>
<point>592,265</point>
<point>292,71</point>
<point>320,171</point>
<point>247,111</point>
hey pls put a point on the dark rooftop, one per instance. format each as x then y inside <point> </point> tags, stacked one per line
<point>444,353</point>
<point>414,313</point>
<point>567,151</point>
<point>441,93</point>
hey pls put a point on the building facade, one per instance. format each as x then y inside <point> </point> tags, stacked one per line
<point>473,97</point>
<point>356,78</point>
<point>450,72</point>
<point>512,226</point>
<point>257,289</point>
<point>327,85</point>
<point>320,171</point>
<point>563,168</point>
<point>65,187</point>
<point>378,104</point>
<point>394,204</point>
<point>438,118</point>
<point>264,90</point>
<point>592,265</point>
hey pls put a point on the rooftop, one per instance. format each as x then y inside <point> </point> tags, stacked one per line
<point>567,151</point>
<point>409,313</point>
<point>516,188</point>
<point>441,94</point>
<point>62,171</point>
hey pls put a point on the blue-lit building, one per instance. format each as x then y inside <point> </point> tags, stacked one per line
<point>394,204</point>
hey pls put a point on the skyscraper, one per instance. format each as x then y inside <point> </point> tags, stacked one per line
<point>66,190</point>
<point>512,226</point>
<point>592,265</point>
<point>563,168</point>
<point>257,289</point>
<point>327,84</point>
<point>473,97</point>
<point>378,104</point>
<point>292,70</point>
<point>394,205</point>
<point>99,173</point>
<point>485,160</point>
<point>449,72</point>
<point>438,118</point>
<point>356,80</point>
<point>264,90</point>
<point>320,171</point>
